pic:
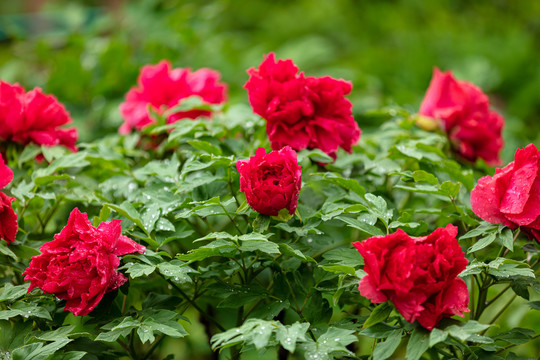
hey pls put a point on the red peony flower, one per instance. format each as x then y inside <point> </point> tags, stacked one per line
<point>302,112</point>
<point>6,175</point>
<point>8,219</point>
<point>512,195</point>
<point>33,117</point>
<point>271,181</point>
<point>419,275</point>
<point>162,88</point>
<point>80,264</point>
<point>473,129</point>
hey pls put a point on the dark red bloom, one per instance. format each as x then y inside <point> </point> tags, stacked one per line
<point>419,275</point>
<point>271,181</point>
<point>512,195</point>
<point>80,264</point>
<point>33,117</point>
<point>302,112</point>
<point>163,88</point>
<point>474,129</point>
<point>8,219</point>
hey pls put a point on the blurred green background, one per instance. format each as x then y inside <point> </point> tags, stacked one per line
<point>88,53</point>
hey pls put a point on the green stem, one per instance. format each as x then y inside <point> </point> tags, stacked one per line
<point>497,296</point>
<point>149,353</point>
<point>512,345</point>
<point>503,309</point>
<point>201,311</point>
<point>231,219</point>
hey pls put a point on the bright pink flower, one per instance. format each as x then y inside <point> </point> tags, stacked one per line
<point>474,129</point>
<point>163,88</point>
<point>512,195</point>
<point>302,112</point>
<point>419,275</point>
<point>33,117</point>
<point>6,175</point>
<point>8,219</point>
<point>271,181</point>
<point>80,264</point>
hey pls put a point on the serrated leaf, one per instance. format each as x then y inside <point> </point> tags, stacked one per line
<point>289,335</point>
<point>136,270</point>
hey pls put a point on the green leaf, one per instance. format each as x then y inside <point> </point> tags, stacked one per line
<point>123,328</point>
<point>146,333</point>
<point>533,304</point>
<point>215,248</point>
<point>418,344</point>
<point>424,176</point>
<point>475,267</point>
<point>450,189</point>
<point>205,146</point>
<point>4,249</point>
<point>288,250</point>
<point>507,239</point>
<point>379,314</point>
<point>261,223</point>
<point>126,209</point>
<point>137,270</point>
<point>170,328</point>
<point>509,268</point>
<point>316,155</point>
<point>336,268</point>
<point>349,184</point>
<point>176,270</point>
<point>25,310</point>
<point>150,216</point>
<point>11,292</point>
<point>58,334</point>
<point>436,336</point>
<point>464,330</point>
<point>344,256</point>
<point>482,243</point>
<point>37,351</point>
<point>379,207</point>
<point>361,225</point>
<point>379,331</point>
<point>289,335</point>
<point>385,349</point>
<point>516,336</point>
<point>484,228</point>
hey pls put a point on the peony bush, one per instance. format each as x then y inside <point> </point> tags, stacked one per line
<point>266,228</point>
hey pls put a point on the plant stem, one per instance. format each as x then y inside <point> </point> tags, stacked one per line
<point>149,353</point>
<point>512,345</point>
<point>497,296</point>
<point>201,311</point>
<point>500,312</point>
